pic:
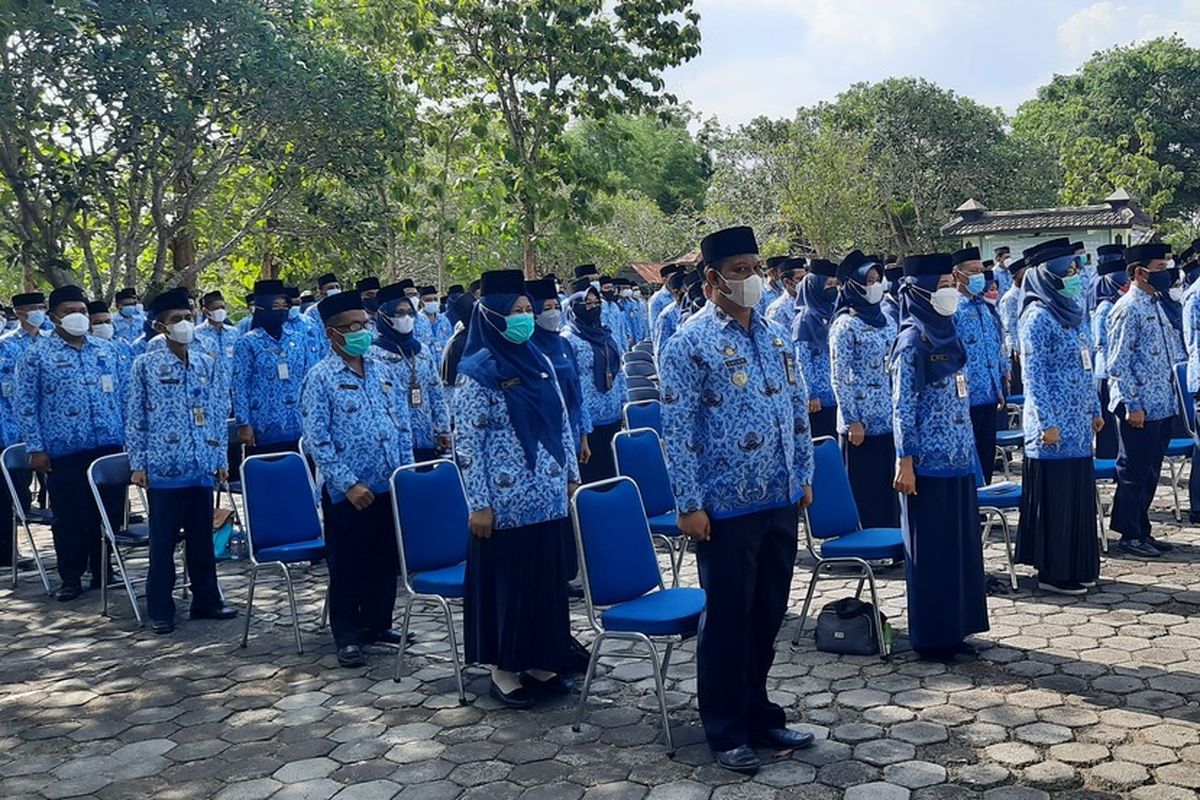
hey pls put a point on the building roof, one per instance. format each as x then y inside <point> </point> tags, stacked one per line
<point>1119,210</point>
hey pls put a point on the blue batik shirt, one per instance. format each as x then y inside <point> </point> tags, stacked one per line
<point>220,339</point>
<point>1141,356</point>
<point>1099,325</point>
<point>932,426</point>
<point>21,339</point>
<point>613,318</point>
<point>1004,280</point>
<point>493,464</point>
<point>1009,309</point>
<point>666,325</point>
<point>858,356</point>
<point>782,311</point>
<point>265,380</point>
<point>70,400</point>
<point>428,412</point>
<point>175,423</point>
<point>658,301</point>
<point>357,430</point>
<point>440,331</point>
<point>735,416</point>
<point>127,328</point>
<point>1059,389</point>
<point>814,363</point>
<point>1191,335</point>
<point>769,296</point>
<point>10,432</point>
<point>987,364</point>
<point>602,408</point>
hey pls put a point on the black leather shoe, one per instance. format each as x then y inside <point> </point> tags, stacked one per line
<point>517,698</point>
<point>393,636</point>
<point>351,656</point>
<point>1140,548</point>
<point>1160,545</point>
<point>219,612</point>
<point>783,739</point>
<point>68,592</point>
<point>739,759</point>
<point>557,686</point>
<point>162,626</point>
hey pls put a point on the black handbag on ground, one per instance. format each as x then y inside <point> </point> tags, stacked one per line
<point>847,627</point>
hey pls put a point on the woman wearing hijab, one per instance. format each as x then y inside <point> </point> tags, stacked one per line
<point>935,445</point>
<point>463,305</point>
<point>414,371</point>
<point>517,455</point>
<point>810,334</point>
<point>892,273</point>
<point>601,380</point>
<point>859,341</point>
<point>549,340</point>
<point>1110,284</point>
<point>1057,534</point>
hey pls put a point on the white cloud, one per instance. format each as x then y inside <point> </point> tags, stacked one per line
<point>1106,23</point>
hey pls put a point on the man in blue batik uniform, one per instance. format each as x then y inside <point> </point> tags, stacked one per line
<point>735,422</point>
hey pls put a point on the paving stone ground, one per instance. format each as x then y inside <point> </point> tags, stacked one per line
<point>1089,697</point>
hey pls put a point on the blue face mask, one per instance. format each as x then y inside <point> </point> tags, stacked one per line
<point>128,311</point>
<point>518,328</point>
<point>1161,281</point>
<point>975,284</point>
<point>1072,286</point>
<point>294,312</point>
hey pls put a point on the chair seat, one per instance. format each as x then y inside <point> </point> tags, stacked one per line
<point>40,516</point>
<point>1180,447</point>
<point>1016,400</point>
<point>1014,438</point>
<point>667,612</point>
<point>291,553</point>
<point>447,582</point>
<point>870,544</point>
<point>1105,469</point>
<point>135,535</point>
<point>664,524</point>
<point>1000,495</point>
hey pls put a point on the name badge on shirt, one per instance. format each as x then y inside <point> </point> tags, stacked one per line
<point>106,384</point>
<point>198,416</point>
<point>282,369</point>
<point>960,384</point>
<point>1086,356</point>
<point>6,389</point>
<point>789,368</point>
<point>229,352</point>
<point>414,396</point>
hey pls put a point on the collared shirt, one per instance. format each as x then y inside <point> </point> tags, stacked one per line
<point>440,331</point>
<point>357,429</point>
<point>602,408</point>
<point>22,339</point>
<point>420,386</point>
<point>613,318</point>
<point>1141,354</point>
<point>10,432</point>
<point>1099,326</point>
<point>769,296</point>
<point>665,326</point>
<point>1059,390</point>
<point>813,358</point>
<point>782,311</point>
<point>70,400</point>
<point>1191,335</point>
<point>1004,280</point>
<point>1009,309</point>
<point>933,426</point>
<point>222,339</point>
<point>858,356</point>
<point>735,416</point>
<point>658,301</point>
<point>175,426</point>
<point>265,380</point>
<point>980,334</point>
<point>494,468</point>
<point>635,318</point>
<point>127,328</point>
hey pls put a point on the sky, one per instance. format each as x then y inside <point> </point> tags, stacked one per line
<point>768,57</point>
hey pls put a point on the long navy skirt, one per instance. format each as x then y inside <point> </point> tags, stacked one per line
<point>943,565</point>
<point>824,422</point>
<point>1106,439</point>
<point>872,469</point>
<point>1057,534</point>
<point>515,613</point>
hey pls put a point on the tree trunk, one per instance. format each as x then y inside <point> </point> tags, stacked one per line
<point>183,256</point>
<point>528,237</point>
<point>269,267</point>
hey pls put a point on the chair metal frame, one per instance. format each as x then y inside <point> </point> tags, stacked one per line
<point>992,513</point>
<point>625,411</point>
<point>1101,513</point>
<point>20,519</point>
<point>413,596</point>
<point>1175,463</point>
<point>255,564</point>
<point>676,545</point>
<point>659,667</point>
<point>866,571</point>
<point>109,540</point>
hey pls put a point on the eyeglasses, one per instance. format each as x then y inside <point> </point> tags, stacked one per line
<point>353,327</point>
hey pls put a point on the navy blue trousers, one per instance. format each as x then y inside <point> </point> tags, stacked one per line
<point>187,511</point>
<point>983,423</point>
<point>8,524</point>
<point>746,571</point>
<point>1106,439</point>
<point>360,547</point>
<point>76,525</point>
<point>1139,463</point>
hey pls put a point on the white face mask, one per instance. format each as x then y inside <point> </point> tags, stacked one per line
<point>432,307</point>
<point>945,301</point>
<point>331,292</point>
<point>886,284</point>
<point>218,315</point>
<point>745,293</point>
<point>404,324</point>
<point>596,285</point>
<point>550,320</point>
<point>75,324</point>
<point>103,330</point>
<point>627,293</point>
<point>1175,293</point>
<point>140,308</point>
<point>181,332</point>
<point>36,318</point>
<point>874,293</point>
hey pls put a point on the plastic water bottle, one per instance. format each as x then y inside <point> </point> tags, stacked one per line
<point>237,545</point>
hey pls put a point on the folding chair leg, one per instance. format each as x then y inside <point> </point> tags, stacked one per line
<point>116,551</point>
<point>408,603</point>
<point>37,558</point>
<point>666,662</point>
<point>462,695</point>
<point>1100,521</point>
<point>812,587</point>
<point>291,590</point>
<point>861,582</point>
<point>249,604</point>
<point>587,682</point>
<point>325,611</point>
<point>186,580</point>
<point>662,695</point>
<point>1008,548</point>
<point>883,648</point>
<point>1175,470</point>
<point>15,555</point>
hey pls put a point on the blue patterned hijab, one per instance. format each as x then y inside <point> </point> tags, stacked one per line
<point>555,347</point>
<point>934,338</point>
<point>388,337</point>
<point>520,373</point>
<point>606,358</point>
<point>1106,287</point>
<point>814,310</point>
<point>1172,309</point>
<point>852,298</point>
<point>1041,288</point>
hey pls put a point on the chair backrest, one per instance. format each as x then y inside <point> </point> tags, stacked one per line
<point>643,414</point>
<point>429,505</point>
<point>280,500</point>
<point>833,512</point>
<point>639,382</point>
<point>642,368</point>
<point>634,356</point>
<point>615,550</point>
<point>1186,406</point>
<point>14,459</point>
<point>638,455</point>
<point>110,472</point>
<point>644,346</point>
<point>636,395</point>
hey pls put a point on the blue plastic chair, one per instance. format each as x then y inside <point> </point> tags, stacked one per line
<point>638,382</point>
<point>1103,469</point>
<point>15,466</point>
<point>994,501</point>
<point>282,524</point>
<point>623,587</point>
<point>645,346</point>
<point>644,369</point>
<point>643,414</point>
<point>1007,443</point>
<point>832,519</point>
<point>638,455</point>
<point>636,395</point>
<point>1179,449</point>
<point>113,473</point>
<point>638,355</point>
<point>429,506</point>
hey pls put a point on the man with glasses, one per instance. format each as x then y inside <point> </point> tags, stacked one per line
<point>735,422</point>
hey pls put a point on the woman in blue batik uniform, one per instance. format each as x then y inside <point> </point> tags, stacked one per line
<point>514,447</point>
<point>600,378</point>
<point>947,595</point>
<point>1108,287</point>
<point>859,340</point>
<point>810,334</point>
<point>1062,411</point>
